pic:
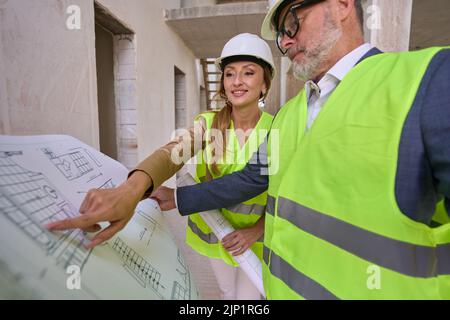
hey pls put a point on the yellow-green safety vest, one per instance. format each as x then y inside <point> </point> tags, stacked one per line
<point>441,216</point>
<point>333,228</point>
<point>198,234</point>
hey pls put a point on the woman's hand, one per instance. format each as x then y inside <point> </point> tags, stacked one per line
<point>237,242</point>
<point>165,197</point>
<point>115,206</point>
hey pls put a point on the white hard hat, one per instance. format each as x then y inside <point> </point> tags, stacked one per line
<point>268,31</point>
<point>247,44</point>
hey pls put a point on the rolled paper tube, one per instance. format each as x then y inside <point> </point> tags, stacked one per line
<point>248,261</point>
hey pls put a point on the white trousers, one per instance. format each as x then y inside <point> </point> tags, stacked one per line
<point>233,282</point>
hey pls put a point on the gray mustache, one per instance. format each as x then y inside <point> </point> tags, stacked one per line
<point>292,52</point>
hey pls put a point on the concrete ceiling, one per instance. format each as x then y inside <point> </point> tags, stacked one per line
<point>430,23</point>
<point>205,30</point>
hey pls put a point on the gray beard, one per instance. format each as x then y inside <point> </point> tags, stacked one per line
<point>316,56</point>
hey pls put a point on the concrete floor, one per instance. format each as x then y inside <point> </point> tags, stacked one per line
<point>198,264</point>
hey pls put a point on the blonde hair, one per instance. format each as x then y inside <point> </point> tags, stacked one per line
<point>222,119</point>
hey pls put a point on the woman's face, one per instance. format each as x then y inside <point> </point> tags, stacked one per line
<point>244,83</point>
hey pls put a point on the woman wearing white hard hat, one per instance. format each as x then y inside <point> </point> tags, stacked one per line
<point>230,137</point>
<point>247,70</point>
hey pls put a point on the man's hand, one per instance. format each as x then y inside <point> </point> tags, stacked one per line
<point>115,206</point>
<point>165,197</point>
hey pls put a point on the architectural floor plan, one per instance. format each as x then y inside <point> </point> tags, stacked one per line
<point>44,179</point>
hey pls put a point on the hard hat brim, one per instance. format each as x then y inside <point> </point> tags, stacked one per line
<point>267,30</point>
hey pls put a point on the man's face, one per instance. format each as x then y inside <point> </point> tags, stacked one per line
<point>311,46</point>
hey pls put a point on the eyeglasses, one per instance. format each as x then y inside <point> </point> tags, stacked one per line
<point>290,24</point>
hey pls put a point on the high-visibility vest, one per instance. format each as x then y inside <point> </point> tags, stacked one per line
<point>333,228</point>
<point>198,235</point>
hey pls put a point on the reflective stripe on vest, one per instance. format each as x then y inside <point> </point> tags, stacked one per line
<point>303,285</point>
<point>248,209</point>
<point>270,205</point>
<point>405,258</point>
<point>208,238</point>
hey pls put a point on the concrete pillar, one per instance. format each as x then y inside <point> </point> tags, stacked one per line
<point>388,23</point>
<point>284,69</point>
<point>273,100</point>
<point>294,85</point>
<point>125,69</point>
<point>196,3</point>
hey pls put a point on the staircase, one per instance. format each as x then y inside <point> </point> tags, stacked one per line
<point>212,83</point>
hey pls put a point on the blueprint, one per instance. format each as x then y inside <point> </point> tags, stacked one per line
<point>44,179</point>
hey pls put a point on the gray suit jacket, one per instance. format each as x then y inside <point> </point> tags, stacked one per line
<point>423,175</point>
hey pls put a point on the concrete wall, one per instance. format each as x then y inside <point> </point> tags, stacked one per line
<point>48,83</point>
<point>48,77</point>
<point>4,110</point>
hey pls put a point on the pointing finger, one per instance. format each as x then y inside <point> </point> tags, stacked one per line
<point>81,222</point>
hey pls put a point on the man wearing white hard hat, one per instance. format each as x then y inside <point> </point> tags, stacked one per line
<point>363,165</point>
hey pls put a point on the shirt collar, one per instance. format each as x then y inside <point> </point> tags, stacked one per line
<point>343,66</point>
<point>338,72</point>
